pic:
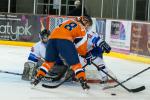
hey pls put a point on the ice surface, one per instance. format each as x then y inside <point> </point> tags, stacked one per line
<point>12,59</point>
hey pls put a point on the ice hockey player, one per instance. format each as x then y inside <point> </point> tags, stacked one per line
<point>61,43</point>
<point>97,46</point>
<point>36,58</point>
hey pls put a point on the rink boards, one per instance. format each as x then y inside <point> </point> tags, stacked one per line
<point>112,54</point>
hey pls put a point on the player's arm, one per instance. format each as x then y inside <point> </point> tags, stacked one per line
<point>81,40</point>
<point>105,46</point>
<point>81,45</point>
<point>98,42</point>
<point>33,56</point>
<point>42,25</point>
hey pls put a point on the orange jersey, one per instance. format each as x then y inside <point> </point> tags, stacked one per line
<point>71,30</point>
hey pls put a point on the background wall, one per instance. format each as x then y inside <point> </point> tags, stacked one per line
<point>110,8</point>
<point>25,6</point>
<point>114,9</point>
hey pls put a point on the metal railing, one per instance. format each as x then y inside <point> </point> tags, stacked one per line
<point>129,8</point>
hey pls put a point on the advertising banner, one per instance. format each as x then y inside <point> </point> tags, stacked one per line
<point>100,27</point>
<point>19,27</point>
<point>118,35</point>
<point>140,39</point>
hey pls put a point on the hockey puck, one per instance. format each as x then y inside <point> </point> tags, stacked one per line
<point>114,94</point>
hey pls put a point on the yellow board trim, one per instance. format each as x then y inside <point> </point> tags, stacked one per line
<point>112,54</point>
<point>129,57</point>
<point>17,43</point>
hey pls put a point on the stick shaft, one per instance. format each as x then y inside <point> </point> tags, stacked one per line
<point>132,76</point>
<point>1,71</point>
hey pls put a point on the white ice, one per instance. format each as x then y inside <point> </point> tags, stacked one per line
<point>12,59</point>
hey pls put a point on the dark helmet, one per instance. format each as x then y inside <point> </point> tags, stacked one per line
<point>44,34</point>
<point>89,19</point>
<point>85,20</point>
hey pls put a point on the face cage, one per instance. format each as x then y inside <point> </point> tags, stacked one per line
<point>43,37</point>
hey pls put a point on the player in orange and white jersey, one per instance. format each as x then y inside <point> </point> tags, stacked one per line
<point>61,43</point>
<point>97,46</point>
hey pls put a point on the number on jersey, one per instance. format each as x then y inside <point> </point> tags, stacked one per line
<point>71,26</point>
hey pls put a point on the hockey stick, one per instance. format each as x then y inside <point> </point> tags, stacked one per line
<point>1,71</point>
<point>69,75</point>
<point>108,87</point>
<point>99,80</point>
<point>129,90</point>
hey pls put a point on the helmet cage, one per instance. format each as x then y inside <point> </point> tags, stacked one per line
<point>44,34</point>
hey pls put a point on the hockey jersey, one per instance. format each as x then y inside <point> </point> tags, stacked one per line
<point>93,40</point>
<point>37,51</point>
<point>73,31</point>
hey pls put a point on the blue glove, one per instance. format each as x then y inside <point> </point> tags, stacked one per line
<point>33,57</point>
<point>105,47</point>
<point>88,58</point>
<point>97,52</point>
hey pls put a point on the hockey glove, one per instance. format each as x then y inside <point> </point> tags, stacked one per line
<point>97,52</point>
<point>105,47</point>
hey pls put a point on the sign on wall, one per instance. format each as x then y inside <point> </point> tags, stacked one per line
<point>140,39</point>
<point>19,27</point>
<point>100,27</point>
<point>118,35</point>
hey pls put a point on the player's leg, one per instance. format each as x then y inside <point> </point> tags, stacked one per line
<point>29,70</point>
<point>100,62</point>
<point>50,58</point>
<point>68,51</point>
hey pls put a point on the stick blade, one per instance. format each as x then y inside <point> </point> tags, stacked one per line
<point>137,89</point>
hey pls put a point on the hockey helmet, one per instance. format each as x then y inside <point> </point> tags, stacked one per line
<point>85,20</point>
<point>44,35</point>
